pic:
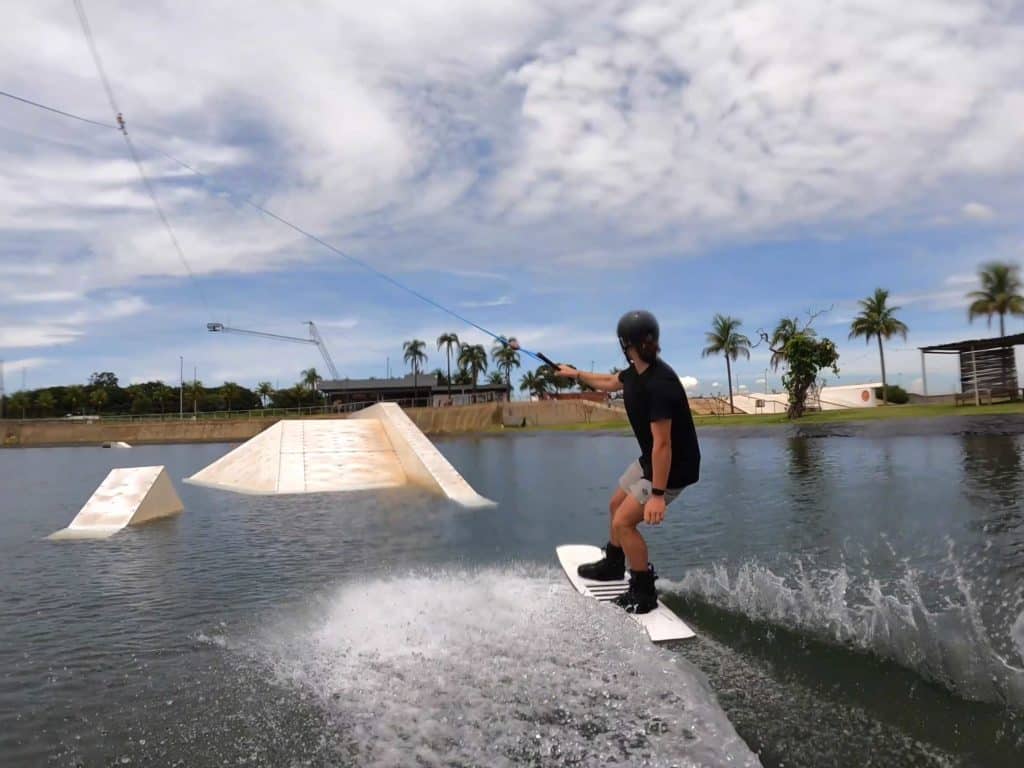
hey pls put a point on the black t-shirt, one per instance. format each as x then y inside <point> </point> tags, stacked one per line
<point>655,395</point>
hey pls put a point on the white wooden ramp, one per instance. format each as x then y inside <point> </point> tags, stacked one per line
<point>378,447</point>
<point>128,496</point>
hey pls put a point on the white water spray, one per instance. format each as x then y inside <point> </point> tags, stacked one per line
<point>498,668</point>
<point>950,645</point>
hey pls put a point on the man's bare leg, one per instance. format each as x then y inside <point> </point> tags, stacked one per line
<point>613,505</point>
<point>625,519</point>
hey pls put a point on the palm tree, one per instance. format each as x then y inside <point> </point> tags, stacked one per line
<point>230,391</point>
<point>1000,294</point>
<point>505,359</point>
<point>535,383</point>
<point>414,355</point>
<point>878,320</point>
<point>264,389</point>
<point>496,378</point>
<point>449,341</point>
<point>310,378</point>
<point>75,395</point>
<point>724,338</point>
<point>473,360</point>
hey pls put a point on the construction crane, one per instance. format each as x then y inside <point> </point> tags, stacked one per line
<point>314,338</point>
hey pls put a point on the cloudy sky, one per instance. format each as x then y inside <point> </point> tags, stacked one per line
<point>539,166</point>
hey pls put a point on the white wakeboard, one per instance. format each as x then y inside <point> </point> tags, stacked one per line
<point>661,623</point>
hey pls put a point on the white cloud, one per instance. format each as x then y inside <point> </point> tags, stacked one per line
<point>962,279</point>
<point>115,309</point>
<point>489,141</point>
<point>578,120</point>
<point>345,323</point>
<point>501,301</point>
<point>931,300</point>
<point>977,212</point>
<point>41,297</point>
<point>689,382</point>
<point>25,364</point>
<point>36,335</point>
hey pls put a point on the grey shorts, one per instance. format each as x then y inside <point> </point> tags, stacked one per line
<point>633,483</point>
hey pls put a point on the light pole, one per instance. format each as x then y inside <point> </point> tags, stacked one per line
<point>181,388</point>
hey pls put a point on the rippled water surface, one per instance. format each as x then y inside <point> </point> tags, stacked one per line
<point>859,600</point>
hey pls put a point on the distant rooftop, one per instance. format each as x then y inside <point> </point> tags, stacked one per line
<point>977,345</point>
<point>406,382</point>
<point>426,381</point>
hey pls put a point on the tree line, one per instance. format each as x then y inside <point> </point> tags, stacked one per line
<point>796,345</point>
<point>104,395</point>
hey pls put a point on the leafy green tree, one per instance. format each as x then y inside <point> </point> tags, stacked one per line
<point>496,378</point>
<point>98,398</point>
<point>877,319</point>
<point>1000,294</point>
<point>725,339</point>
<point>164,397</point>
<point>75,398</point>
<point>19,402</point>
<point>45,403</point>
<point>106,380</point>
<point>787,328</point>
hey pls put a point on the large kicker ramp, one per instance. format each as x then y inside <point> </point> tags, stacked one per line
<point>378,447</point>
<point>128,496</point>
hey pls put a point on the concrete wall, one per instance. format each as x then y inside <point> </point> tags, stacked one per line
<point>470,418</point>
<point>832,399</point>
<point>33,432</point>
<point>544,413</point>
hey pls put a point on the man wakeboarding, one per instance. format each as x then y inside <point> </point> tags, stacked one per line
<point>669,460</point>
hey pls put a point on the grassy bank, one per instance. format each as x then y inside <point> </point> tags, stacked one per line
<point>885,413</point>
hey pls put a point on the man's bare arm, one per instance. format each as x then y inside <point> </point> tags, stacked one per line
<point>604,382</point>
<point>661,458</point>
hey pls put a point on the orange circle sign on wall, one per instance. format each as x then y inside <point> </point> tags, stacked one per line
<point>865,395</point>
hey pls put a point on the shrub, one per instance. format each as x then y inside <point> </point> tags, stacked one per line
<point>893,394</point>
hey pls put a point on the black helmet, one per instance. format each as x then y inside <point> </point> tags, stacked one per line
<point>639,329</point>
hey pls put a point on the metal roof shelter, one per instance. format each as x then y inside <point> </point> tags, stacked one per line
<point>408,390</point>
<point>985,364</point>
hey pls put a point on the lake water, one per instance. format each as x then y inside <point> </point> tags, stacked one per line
<point>858,595</point>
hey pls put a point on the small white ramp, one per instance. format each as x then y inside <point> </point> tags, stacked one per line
<point>378,447</point>
<point>128,496</point>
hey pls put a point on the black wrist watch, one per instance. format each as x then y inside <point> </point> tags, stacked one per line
<point>657,491</point>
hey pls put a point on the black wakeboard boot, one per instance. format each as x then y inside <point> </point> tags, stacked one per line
<point>611,567</point>
<point>641,597</point>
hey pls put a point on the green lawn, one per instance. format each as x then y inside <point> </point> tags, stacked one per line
<point>825,417</point>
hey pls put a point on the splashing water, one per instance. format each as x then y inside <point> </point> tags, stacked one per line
<point>499,668</point>
<point>949,645</point>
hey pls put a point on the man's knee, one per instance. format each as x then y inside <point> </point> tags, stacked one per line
<point>615,502</point>
<point>622,521</point>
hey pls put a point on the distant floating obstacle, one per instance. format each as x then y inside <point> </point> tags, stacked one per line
<point>376,448</point>
<point>117,444</point>
<point>128,496</point>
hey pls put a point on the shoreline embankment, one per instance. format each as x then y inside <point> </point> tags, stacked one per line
<point>497,418</point>
<point>487,417</point>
